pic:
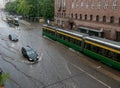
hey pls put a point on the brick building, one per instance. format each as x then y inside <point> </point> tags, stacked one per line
<point>97,17</point>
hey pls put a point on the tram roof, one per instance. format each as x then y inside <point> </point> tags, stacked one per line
<point>78,34</point>
<point>104,41</point>
<point>49,26</point>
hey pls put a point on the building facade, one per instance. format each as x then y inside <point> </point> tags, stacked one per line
<point>90,16</point>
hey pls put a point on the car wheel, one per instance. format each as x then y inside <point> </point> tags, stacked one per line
<point>10,37</point>
<point>23,53</point>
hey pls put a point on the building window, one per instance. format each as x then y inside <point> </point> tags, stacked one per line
<point>82,3</point>
<point>59,4</point>
<point>104,18</point>
<point>118,36</point>
<point>119,20</point>
<point>85,16</point>
<point>76,16</point>
<point>106,4</point>
<point>76,3</point>
<point>91,17</point>
<point>97,18</point>
<point>64,14</point>
<point>92,5</point>
<point>58,22</point>
<point>114,5</point>
<point>112,19</point>
<point>63,23</point>
<point>61,14</point>
<point>99,4</point>
<point>80,16</point>
<point>87,4</point>
<point>72,4</point>
<point>64,4</point>
<point>72,15</point>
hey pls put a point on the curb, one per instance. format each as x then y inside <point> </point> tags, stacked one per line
<point>24,22</point>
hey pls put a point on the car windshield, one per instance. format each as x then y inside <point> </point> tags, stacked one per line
<point>30,52</point>
<point>14,36</point>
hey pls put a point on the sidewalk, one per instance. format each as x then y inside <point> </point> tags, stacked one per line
<point>31,24</point>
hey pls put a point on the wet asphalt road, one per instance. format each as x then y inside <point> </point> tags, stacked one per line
<point>58,66</point>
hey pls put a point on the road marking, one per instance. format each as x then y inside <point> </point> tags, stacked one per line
<point>68,70</point>
<point>91,76</point>
<point>40,57</point>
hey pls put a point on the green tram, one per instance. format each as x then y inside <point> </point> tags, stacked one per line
<point>101,49</point>
<point>70,39</point>
<point>104,50</point>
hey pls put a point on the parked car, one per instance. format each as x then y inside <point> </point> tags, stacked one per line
<point>13,37</point>
<point>29,53</point>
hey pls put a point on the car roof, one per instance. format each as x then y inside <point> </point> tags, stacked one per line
<point>14,35</point>
<point>28,48</point>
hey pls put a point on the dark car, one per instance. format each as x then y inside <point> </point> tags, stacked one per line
<point>13,37</point>
<point>29,53</point>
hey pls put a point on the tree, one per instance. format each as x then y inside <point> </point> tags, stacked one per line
<point>11,7</point>
<point>32,8</point>
<point>48,9</point>
<point>22,7</point>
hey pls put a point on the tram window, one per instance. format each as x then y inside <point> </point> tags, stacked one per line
<point>100,51</point>
<point>63,37</point>
<point>68,39</point>
<point>87,46</point>
<point>47,30</point>
<point>72,41</point>
<point>75,41</point>
<point>118,57</point>
<point>78,43</point>
<point>50,32</point>
<point>93,48</point>
<point>115,57</point>
<point>110,54</point>
<point>59,35</point>
<point>106,53</point>
<point>53,33</point>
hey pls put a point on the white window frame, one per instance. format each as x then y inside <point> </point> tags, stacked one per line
<point>99,4</point>
<point>92,5</point>
<point>114,6</point>
<point>106,4</point>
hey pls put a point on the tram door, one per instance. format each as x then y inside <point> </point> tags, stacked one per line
<point>118,36</point>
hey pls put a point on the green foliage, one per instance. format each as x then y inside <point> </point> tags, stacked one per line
<point>11,6</point>
<point>3,78</point>
<point>32,8</point>
<point>23,7</point>
<point>48,9</point>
